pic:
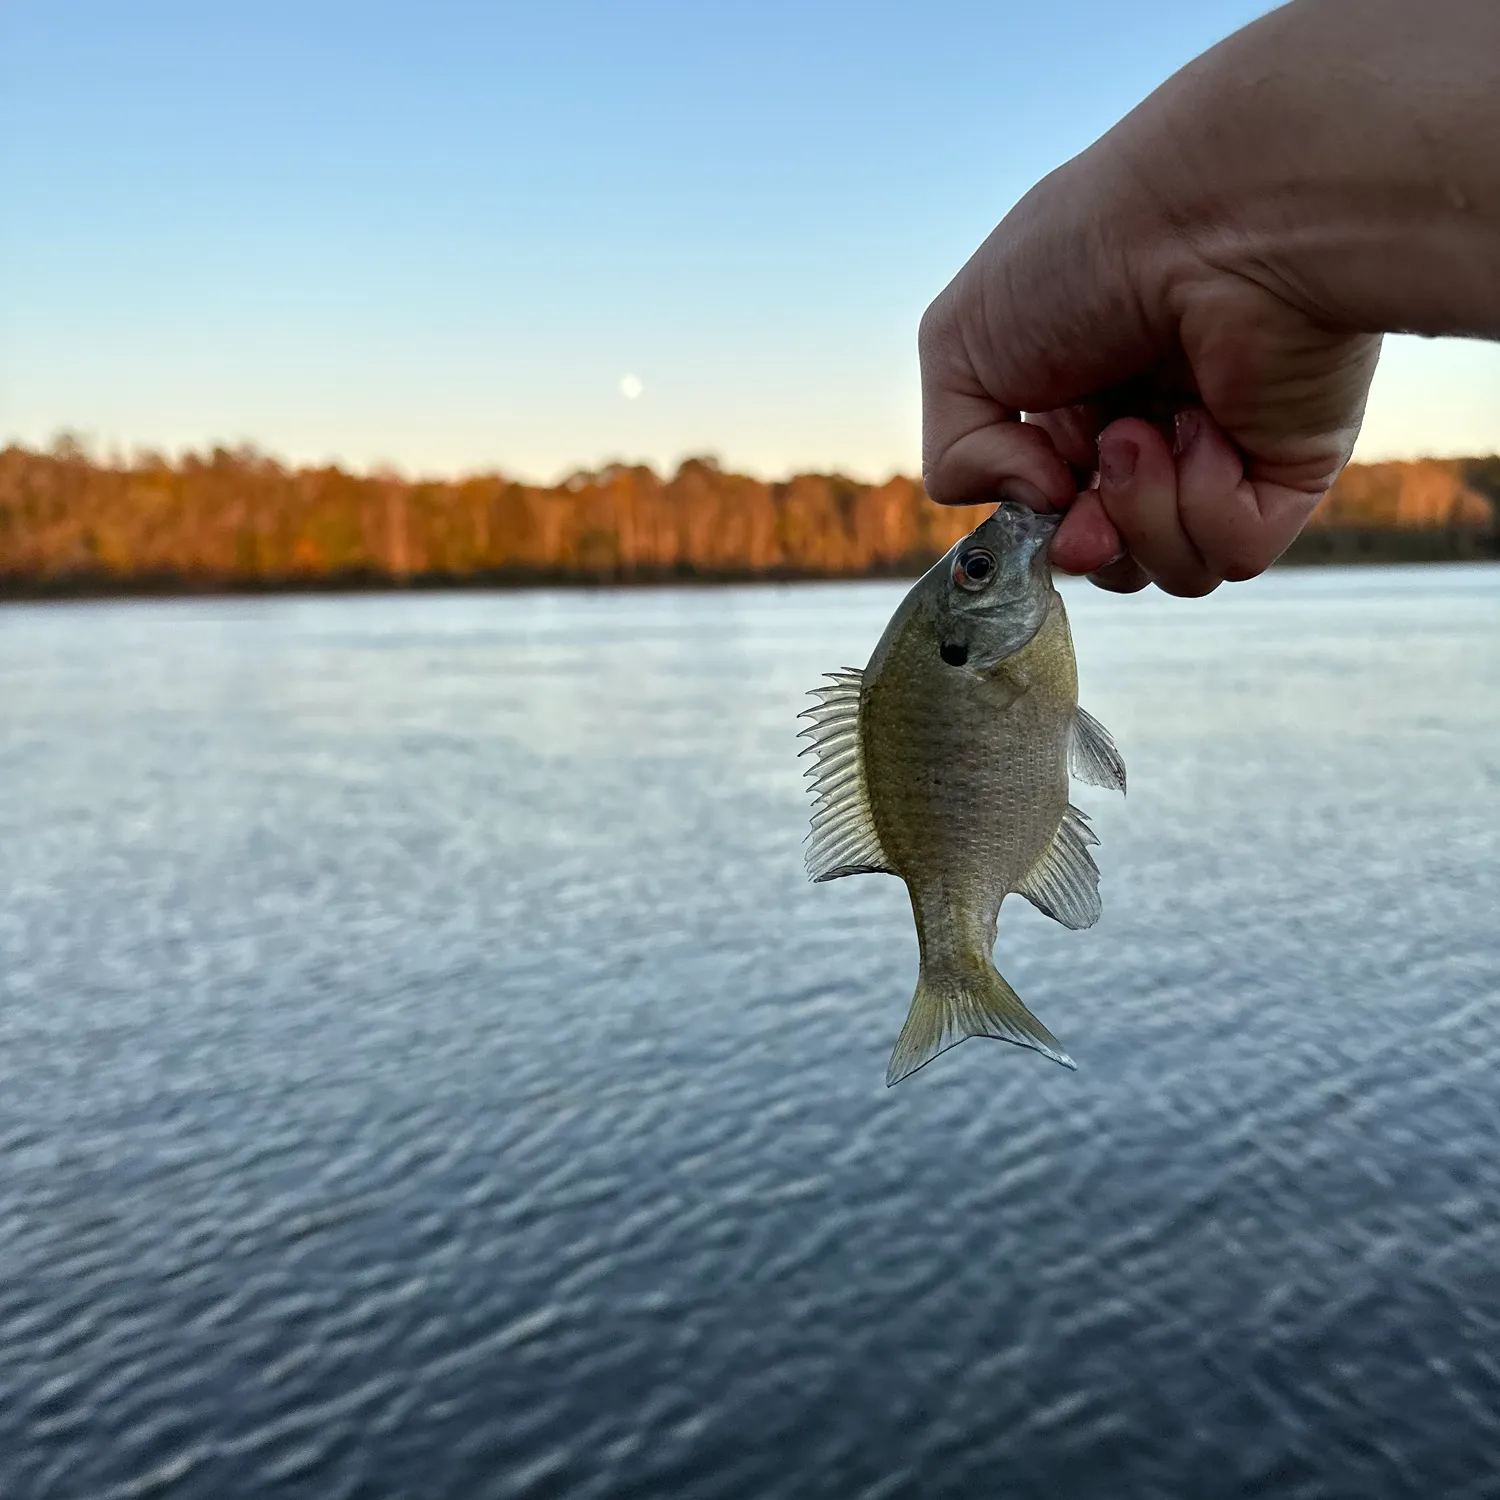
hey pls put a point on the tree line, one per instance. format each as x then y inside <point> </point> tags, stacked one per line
<point>72,522</point>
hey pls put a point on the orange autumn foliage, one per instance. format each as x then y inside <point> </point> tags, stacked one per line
<point>239,519</point>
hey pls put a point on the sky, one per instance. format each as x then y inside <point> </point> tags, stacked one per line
<point>446,237</point>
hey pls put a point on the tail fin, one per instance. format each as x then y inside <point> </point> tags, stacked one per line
<point>951,1005</point>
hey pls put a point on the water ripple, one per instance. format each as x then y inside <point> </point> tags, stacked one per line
<point>424,1070</point>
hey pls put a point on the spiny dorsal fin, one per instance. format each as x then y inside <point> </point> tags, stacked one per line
<point>1093,755</point>
<point>843,840</point>
<point>1064,883</point>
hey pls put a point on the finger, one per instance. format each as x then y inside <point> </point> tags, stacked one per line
<point>1138,487</point>
<point>982,456</point>
<point>1087,539</point>
<point>974,447</point>
<point>1123,576</point>
<point>1074,431</point>
<point>1238,526</point>
<point>1292,395</point>
<point>1050,305</point>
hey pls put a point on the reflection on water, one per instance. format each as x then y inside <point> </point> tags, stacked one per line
<point>424,1070</point>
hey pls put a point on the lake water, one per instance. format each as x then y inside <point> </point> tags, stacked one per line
<point>424,1070</point>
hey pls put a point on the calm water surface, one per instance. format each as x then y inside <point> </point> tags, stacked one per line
<point>425,1072</point>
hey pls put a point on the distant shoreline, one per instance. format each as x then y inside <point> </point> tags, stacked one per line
<point>239,523</point>
<point>1322,547</point>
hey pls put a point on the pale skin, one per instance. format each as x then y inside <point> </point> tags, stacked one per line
<point>1190,312</point>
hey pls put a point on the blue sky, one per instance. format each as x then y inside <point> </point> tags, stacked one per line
<point>439,236</point>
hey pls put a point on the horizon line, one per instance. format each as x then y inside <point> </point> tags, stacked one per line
<point>120,456</point>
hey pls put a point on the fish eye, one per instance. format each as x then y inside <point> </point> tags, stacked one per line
<point>974,568</point>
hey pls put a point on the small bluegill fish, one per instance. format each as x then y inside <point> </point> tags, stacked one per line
<point>946,762</point>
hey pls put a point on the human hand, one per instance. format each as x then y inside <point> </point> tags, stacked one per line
<point>1190,311</point>
<point>1214,411</point>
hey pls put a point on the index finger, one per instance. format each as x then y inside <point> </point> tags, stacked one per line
<point>973,447</point>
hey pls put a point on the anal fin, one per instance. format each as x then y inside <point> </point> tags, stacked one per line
<point>1064,883</point>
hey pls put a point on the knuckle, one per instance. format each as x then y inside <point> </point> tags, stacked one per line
<point>1192,587</point>
<point>1240,569</point>
<point>939,343</point>
<point>1238,557</point>
<point>1130,585</point>
<point>931,329</point>
<point>934,481</point>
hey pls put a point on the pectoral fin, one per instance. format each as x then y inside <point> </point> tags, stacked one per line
<point>1064,883</point>
<point>843,840</point>
<point>1092,755</point>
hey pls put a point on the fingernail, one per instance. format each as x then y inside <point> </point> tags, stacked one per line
<point>1117,461</point>
<point>1188,425</point>
<point>1025,494</point>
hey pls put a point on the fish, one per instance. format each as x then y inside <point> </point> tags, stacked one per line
<point>946,762</point>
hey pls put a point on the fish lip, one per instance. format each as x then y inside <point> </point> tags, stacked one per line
<point>1044,521</point>
<point>1031,531</point>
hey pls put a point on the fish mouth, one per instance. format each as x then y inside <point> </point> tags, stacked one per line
<point>1045,520</point>
<point>1025,533</point>
<point>1026,525</point>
